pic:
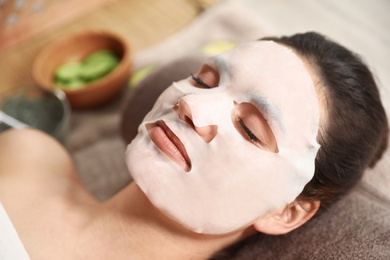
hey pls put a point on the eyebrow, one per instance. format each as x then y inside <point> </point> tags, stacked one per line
<point>268,109</point>
<point>261,102</point>
<point>222,64</point>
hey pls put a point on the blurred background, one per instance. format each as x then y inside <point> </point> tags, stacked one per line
<point>26,26</point>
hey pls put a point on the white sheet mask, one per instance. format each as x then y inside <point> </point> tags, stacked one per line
<point>231,181</point>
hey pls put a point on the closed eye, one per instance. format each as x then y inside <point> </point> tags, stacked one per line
<point>252,125</point>
<point>207,77</point>
<point>199,81</point>
<point>248,132</point>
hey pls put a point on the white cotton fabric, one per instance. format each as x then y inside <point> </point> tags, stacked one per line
<point>11,247</point>
<point>232,182</point>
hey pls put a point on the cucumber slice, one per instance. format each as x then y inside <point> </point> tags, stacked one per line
<point>101,55</point>
<point>73,84</point>
<point>76,84</point>
<point>95,70</point>
<point>74,75</point>
<point>68,71</point>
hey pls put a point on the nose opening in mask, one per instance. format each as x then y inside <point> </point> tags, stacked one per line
<point>207,133</point>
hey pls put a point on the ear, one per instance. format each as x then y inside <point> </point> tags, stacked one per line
<point>288,218</point>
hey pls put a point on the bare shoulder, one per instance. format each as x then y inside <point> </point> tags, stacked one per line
<point>28,150</point>
<point>35,165</point>
<point>41,193</point>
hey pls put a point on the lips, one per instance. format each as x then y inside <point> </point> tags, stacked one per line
<point>163,137</point>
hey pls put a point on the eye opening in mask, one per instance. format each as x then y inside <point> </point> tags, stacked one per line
<point>199,82</point>
<point>207,78</point>
<point>251,124</point>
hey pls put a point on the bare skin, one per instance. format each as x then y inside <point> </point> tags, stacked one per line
<point>55,216</point>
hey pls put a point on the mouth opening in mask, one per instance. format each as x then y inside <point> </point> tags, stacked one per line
<point>169,144</point>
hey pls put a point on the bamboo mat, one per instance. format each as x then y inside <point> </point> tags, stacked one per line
<point>141,22</point>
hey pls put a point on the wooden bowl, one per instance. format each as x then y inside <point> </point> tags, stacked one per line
<point>75,48</point>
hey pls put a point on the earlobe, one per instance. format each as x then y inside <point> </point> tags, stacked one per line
<point>288,218</point>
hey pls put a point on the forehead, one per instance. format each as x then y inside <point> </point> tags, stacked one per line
<point>262,61</point>
<point>275,79</point>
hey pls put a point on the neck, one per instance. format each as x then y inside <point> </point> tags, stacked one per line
<point>152,235</point>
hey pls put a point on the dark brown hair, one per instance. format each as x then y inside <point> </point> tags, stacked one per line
<point>355,133</point>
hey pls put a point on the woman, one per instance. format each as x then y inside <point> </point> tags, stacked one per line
<point>257,141</point>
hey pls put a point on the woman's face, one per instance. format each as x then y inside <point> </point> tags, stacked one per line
<point>238,139</point>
